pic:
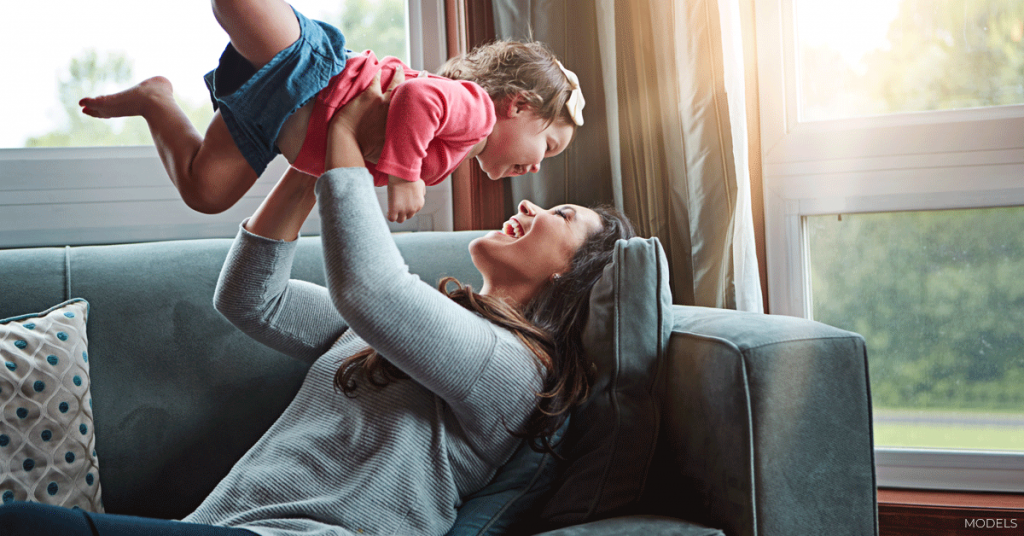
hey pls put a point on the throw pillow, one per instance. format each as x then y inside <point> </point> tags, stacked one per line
<point>511,496</point>
<point>611,437</point>
<point>47,445</point>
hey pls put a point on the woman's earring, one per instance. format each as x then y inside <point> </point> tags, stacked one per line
<point>556,277</point>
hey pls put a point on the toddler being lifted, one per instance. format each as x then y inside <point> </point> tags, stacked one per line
<point>282,77</point>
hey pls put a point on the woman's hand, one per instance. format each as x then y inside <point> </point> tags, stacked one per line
<point>356,132</point>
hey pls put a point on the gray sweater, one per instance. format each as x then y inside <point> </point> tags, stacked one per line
<point>389,461</point>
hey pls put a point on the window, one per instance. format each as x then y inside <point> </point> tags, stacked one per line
<point>66,178</point>
<point>893,152</point>
<point>936,295</point>
<point>116,44</point>
<point>882,56</point>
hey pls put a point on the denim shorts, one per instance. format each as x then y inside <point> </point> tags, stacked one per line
<point>255,104</point>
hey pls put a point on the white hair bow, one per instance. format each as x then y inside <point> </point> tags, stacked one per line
<point>575,103</point>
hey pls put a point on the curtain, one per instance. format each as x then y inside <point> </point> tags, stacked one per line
<point>665,131</point>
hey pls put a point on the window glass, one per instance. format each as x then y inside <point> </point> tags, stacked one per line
<point>886,56</point>
<point>939,299</point>
<point>70,50</point>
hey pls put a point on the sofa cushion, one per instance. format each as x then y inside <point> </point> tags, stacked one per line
<point>647,525</point>
<point>47,442</point>
<point>611,437</point>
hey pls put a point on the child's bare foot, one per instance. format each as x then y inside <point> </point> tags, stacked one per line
<point>135,100</point>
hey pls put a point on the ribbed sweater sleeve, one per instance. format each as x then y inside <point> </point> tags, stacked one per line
<point>255,294</point>
<point>437,342</point>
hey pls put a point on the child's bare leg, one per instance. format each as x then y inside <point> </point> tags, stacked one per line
<point>258,29</point>
<point>211,174</point>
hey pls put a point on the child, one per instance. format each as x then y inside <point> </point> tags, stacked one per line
<point>283,76</point>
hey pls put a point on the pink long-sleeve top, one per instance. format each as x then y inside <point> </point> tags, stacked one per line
<point>433,121</point>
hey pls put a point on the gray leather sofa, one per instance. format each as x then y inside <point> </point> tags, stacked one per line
<point>762,423</point>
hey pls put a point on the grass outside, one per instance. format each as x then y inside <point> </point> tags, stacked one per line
<point>949,430</point>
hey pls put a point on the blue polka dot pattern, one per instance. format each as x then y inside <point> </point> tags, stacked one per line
<point>47,448</point>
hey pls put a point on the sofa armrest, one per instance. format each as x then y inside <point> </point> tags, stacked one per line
<point>766,426</point>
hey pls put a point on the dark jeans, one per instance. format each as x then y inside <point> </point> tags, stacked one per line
<point>34,519</point>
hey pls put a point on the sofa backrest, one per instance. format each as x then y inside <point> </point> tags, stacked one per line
<point>178,393</point>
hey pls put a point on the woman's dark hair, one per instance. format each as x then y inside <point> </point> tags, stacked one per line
<point>551,326</point>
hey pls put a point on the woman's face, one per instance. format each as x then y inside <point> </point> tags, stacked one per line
<point>532,246</point>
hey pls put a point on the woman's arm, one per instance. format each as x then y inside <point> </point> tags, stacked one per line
<point>437,342</point>
<point>254,291</point>
<point>286,208</point>
<point>255,294</point>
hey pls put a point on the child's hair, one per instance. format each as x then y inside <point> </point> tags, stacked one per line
<point>507,68</point>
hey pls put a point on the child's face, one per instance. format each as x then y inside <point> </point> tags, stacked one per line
<point>519,141</point>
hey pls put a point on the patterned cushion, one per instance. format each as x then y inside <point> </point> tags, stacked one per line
<point>47,446</point>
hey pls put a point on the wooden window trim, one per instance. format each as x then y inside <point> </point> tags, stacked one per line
<point>936,513</point>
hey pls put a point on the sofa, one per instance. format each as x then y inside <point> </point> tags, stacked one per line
<point>746,424</point>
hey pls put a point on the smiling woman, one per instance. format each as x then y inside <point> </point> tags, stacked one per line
<point>534,247</point>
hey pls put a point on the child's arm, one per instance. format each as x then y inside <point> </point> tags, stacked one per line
<point>405,198</point>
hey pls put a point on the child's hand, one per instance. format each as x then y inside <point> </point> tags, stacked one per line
<point>405,198</point>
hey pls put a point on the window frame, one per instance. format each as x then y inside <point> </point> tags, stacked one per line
<point>906,161</point>
<point>103,195</point>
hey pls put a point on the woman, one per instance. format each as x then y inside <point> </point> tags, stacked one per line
<point>387,446</point>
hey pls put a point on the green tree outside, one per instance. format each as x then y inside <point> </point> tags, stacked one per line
<point>94,74</point>
<point>938,297</point>
<point>949,54</point>
<point>942,54</point>
<point>377,25</point>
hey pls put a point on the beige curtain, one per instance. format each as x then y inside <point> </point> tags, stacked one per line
<point>665,132</point>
